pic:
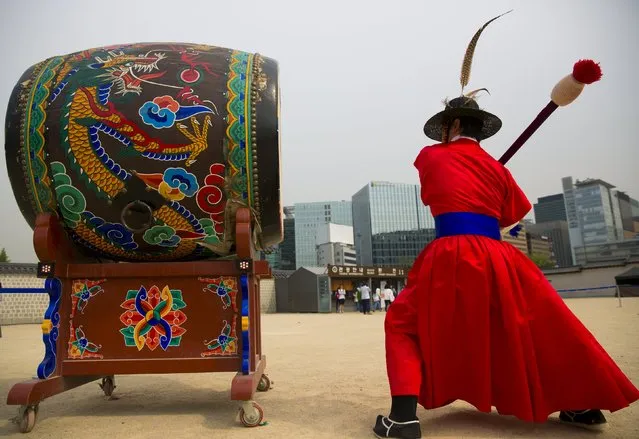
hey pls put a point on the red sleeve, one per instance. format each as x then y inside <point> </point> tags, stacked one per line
<point>422,163</point>
<point>516,204</point>
<point>421,158</point>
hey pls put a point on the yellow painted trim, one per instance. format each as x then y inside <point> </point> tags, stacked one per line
<point>47,326</point>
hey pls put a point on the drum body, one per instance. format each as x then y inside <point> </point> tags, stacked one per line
<point>145,151</point>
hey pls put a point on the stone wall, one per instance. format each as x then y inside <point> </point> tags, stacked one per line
<point>267,296</point>
<point>22,308</point>
<point>564,279</point>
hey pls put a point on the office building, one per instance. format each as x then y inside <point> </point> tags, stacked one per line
<point>273,257</point>
<point>518,241</point>
<point>331,232</point>
<point>400,248</point>
<point>282,256</point>
<point>335,245</point>
<point>391,225</point>
<point>308,218</point>
<point>287,246</point>
<point>550,208</point>
<point>534,245</point>
<point>627,216</point>
<point>336,253</point>
<point>574,230</point>
<point>634,204</point>
<point>540,246</point>
<point>620,251</point>
<point>557,233</point>
<point>593,212</point>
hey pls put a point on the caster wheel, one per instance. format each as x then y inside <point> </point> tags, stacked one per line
<point>251,414</point>
<point>264,385</point>
<point>108,385</point>
<point>27,417</point>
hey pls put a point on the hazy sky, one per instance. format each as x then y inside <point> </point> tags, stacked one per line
<point>359,79</point>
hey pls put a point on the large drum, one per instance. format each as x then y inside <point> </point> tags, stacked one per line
<point>145,151</point>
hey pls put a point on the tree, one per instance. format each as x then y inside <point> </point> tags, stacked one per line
<point>542,261</point>
<point>3,256</point>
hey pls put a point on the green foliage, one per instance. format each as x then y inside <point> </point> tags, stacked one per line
<point>542,261</point>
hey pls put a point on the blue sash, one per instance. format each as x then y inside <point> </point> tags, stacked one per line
<point>466,223</point>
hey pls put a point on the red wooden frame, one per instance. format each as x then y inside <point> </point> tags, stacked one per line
<point>53,246</point>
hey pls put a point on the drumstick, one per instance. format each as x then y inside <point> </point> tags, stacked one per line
<point>565,92</point>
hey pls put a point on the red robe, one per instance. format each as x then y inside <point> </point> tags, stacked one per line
<point>478,321</point>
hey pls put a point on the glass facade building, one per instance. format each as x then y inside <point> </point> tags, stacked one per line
<point>391,225</point>
<point>598,212</point>
<point>400,248</point>
<point>273,257</point>
<point>287,247</point>
<point>308,218</point>
<point>557,232</point>
<point>634,206</point>
<point>626,206</point>
<point>550,208</point>
<point>594,213</point>
<point>282,256</point>
<point>574,231</point>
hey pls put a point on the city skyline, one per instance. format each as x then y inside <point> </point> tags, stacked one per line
<point>389,218</point>
<point>590,219</point>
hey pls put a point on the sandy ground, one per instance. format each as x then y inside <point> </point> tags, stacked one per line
<point>329,381</point>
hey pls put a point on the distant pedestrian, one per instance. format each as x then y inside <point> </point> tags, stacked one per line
<point>388,296</point>
<point>376,299</point>
<point>365,299</point>
<point>341,298</point>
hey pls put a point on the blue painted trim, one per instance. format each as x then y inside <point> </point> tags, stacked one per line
<point>609,287</point>
<point>246,348</point>
<point>47,366</point>
<point>23,291</point>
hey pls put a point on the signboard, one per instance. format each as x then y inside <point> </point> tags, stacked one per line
<point>366,271</point>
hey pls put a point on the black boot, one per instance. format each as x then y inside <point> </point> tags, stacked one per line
<point>402,422</point>
<point>589,419</point>
<point>385,427</point>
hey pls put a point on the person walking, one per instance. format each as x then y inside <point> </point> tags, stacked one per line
<point>376,299</point>
<point>365,299</point>
<point>389,297</point>
<point>341,298</point>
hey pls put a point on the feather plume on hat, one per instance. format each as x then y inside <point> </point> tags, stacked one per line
<point>470,51</point>
<point>465,105</point>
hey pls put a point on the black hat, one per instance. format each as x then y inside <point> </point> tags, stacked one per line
<point>464,105</point>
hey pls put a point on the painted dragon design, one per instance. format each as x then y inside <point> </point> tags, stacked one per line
<point>92,113</point>
<point>93,87</point>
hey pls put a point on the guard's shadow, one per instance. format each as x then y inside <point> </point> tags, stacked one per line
<point>492,425</point>
<point>170,397</point>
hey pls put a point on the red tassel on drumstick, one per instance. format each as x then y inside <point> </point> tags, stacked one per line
<point>565,92</point>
